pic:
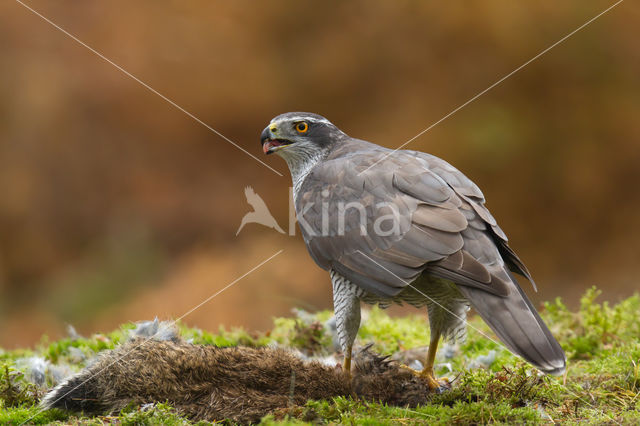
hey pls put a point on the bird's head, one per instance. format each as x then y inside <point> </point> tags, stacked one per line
<point>298,136</point>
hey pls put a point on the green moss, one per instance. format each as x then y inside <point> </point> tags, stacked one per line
<point>30,414</point>
<point>156,414</point>
<point>59,351</point>
<point>390,335</point>
<point>596,327</point>
<point>346,411</point>
<point>14,389</point>
<point>224,337</point>
<point>602,383</point>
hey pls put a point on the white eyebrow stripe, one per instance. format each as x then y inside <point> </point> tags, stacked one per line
<point>302,118</point>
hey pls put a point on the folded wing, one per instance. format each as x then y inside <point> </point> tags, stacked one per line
<point>413,213</point>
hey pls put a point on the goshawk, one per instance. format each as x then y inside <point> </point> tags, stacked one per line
<point>405,226</point>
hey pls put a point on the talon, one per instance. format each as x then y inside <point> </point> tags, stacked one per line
<point>438,385</point>
<point>412,370</point>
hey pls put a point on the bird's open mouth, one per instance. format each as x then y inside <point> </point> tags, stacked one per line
<point>271,145</point>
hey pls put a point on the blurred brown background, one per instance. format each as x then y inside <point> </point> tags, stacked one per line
<point>115,206</point>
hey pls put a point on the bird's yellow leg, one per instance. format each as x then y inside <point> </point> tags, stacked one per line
<point>427,373</point>
<point>346,364</point>
<point>346,367</point>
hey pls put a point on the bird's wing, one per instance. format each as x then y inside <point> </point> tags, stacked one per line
<point>479,216</point>
<point>442,225</point>
<point>444,229</point>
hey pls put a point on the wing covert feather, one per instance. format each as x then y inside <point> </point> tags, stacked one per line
<point>441,224</point>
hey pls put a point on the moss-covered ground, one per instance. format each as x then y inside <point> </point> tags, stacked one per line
<point>601,386</point>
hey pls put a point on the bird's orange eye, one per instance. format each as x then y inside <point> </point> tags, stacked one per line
<point>302,127</point>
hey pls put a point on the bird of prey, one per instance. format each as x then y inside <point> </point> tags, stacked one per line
<point>405,226</point>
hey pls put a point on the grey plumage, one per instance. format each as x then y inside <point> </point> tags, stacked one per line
<point>441,246</point>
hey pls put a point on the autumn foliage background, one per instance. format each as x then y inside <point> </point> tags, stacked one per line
<point>116,206</point>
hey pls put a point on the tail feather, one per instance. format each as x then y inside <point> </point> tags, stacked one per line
<point>517,323</point>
